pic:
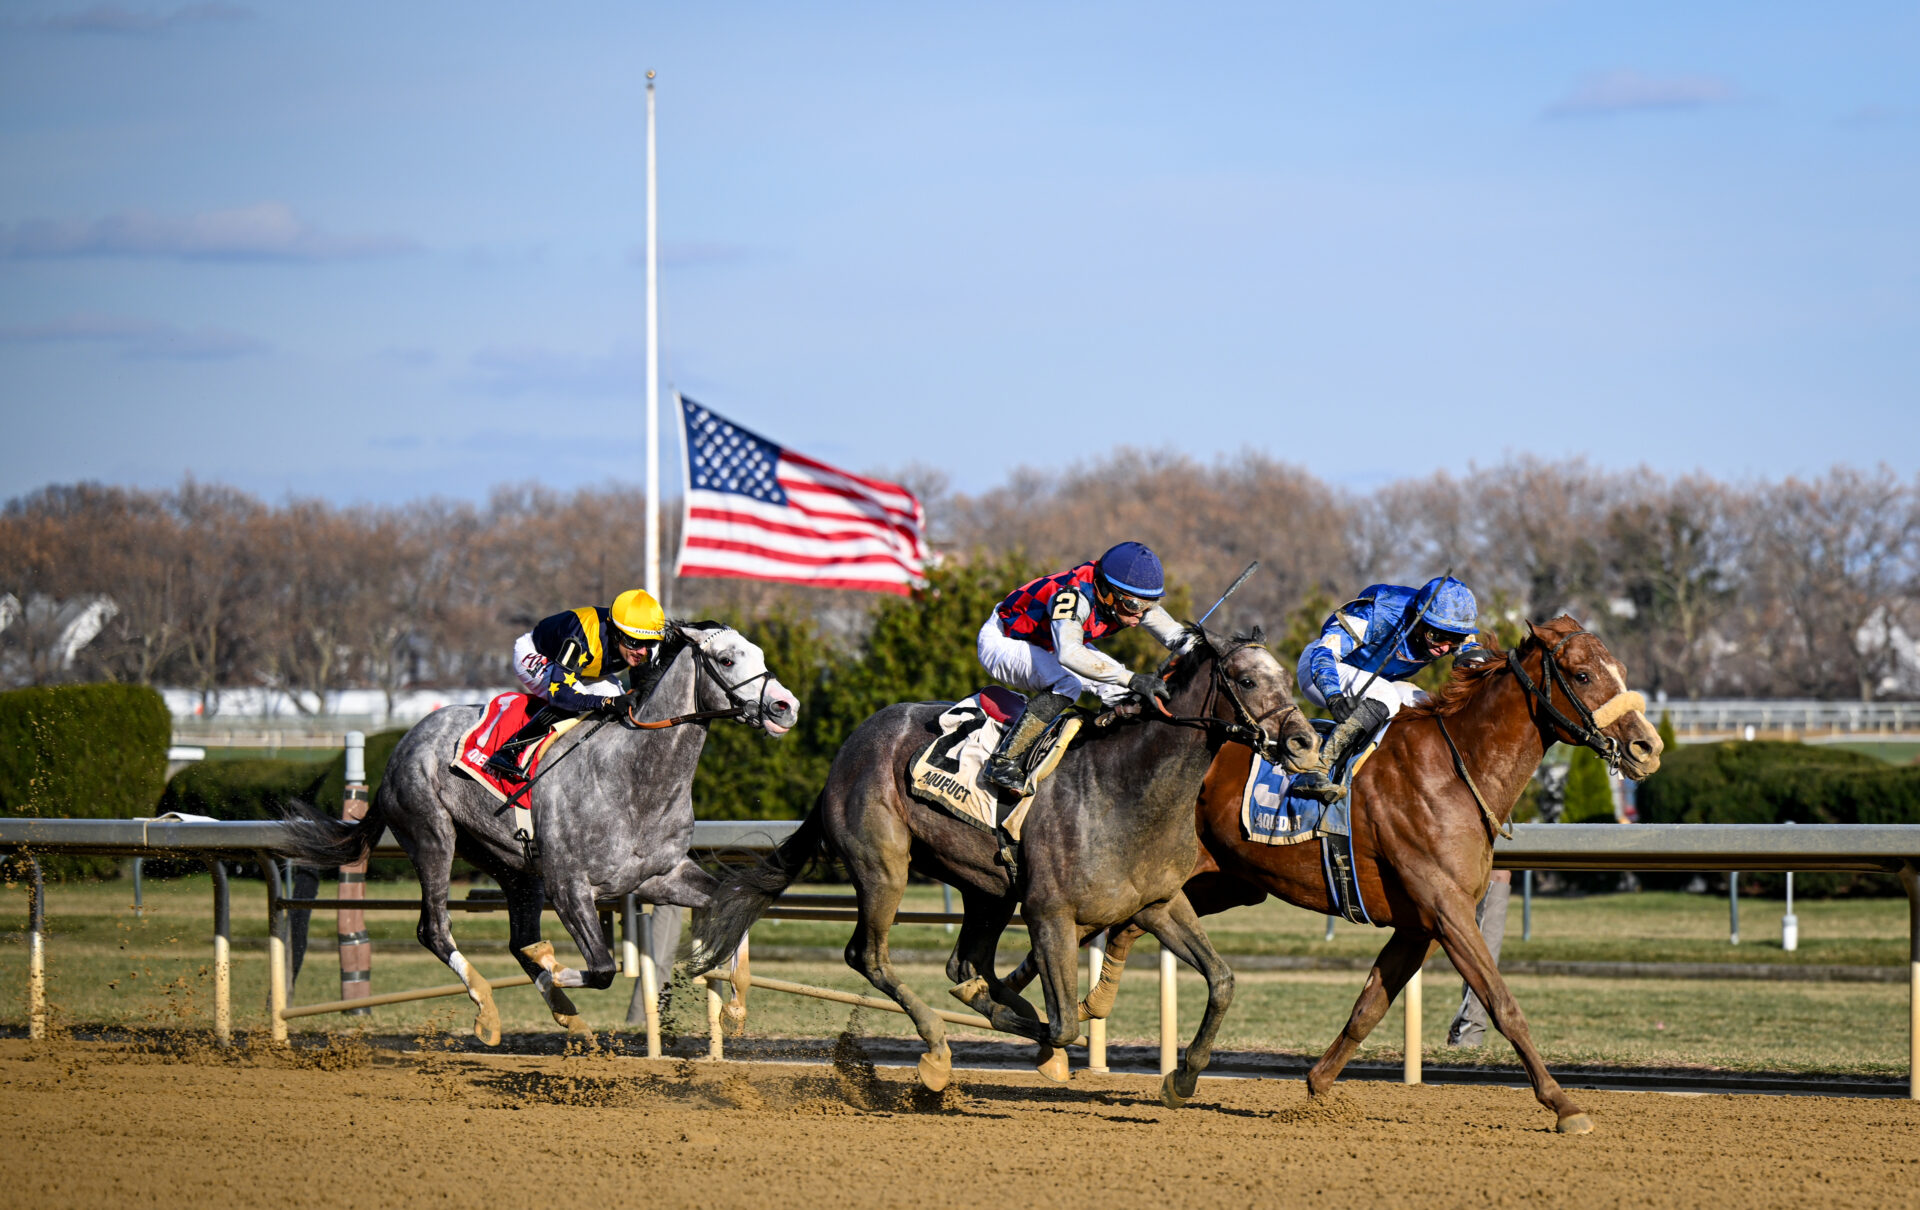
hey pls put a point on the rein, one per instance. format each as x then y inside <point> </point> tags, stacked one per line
<point>703,664</point>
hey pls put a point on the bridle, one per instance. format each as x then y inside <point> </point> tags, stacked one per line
<point>1244,728</point>
<point>1586,731</point>
<point>703,665</point>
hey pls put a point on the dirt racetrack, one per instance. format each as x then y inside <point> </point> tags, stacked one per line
<point>93,1125</point>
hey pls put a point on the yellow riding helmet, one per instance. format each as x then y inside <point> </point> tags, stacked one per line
<point>639,616</point>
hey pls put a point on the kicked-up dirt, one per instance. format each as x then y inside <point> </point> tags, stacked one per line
<point>96,1124</point>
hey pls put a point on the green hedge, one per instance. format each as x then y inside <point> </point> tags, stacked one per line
<point>1768,781</point>
<point>82,752</point>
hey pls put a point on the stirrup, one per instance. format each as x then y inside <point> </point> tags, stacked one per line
<point>1006,774</point>
<point>1008,854</point>
<point>1319,787</point>
<point>501,765</point>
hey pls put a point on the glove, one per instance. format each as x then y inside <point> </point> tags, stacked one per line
<point>1147,687</point>
<point>1341,707</point>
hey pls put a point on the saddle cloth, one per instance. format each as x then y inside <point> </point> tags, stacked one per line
<point>504,716</point>
<point>1271,814</point>
<point>946,773</point>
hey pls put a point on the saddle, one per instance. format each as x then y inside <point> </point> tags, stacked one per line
<point>945,774</point>
<point>1270,814</point>
<point>504,716</point>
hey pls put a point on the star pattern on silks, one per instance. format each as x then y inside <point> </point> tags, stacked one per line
<point>723,457</point>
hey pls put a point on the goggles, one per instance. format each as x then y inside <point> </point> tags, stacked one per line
<point>1127,603</point>
<point>631,643</point>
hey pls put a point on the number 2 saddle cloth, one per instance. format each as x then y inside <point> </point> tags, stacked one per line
<point>946,773</point>
<point>1271,814</point>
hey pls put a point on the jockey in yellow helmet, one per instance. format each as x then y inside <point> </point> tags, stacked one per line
<point>572,661</point>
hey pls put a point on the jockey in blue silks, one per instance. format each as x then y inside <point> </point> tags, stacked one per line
<point>1360,665</point>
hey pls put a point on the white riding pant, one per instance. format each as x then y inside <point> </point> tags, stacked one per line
<point>1394,695</point>
<point>531,667</point>
<point>1033,669</point>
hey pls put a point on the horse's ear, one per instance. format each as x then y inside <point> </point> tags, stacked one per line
<point>1260,636</point>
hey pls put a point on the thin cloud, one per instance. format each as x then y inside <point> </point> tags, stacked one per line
<point>511,373</point>
<point>137,339</point>
<point>268,231</point>
<point>114,19</point>
<point>1630,92</point>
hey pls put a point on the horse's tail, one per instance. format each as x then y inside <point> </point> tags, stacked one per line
<point>748,891</point>
<point>315,838</point>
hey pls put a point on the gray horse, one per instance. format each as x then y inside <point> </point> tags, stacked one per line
<point>1110,838</point>
<point>613,812</point>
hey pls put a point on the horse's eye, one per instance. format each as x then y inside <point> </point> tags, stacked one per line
<point>725,663</point>
<point>1246,682</point>
<point>1582,677</point>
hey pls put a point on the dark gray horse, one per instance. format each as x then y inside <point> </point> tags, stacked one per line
<point>1110,838</point>
<point>613,812</point>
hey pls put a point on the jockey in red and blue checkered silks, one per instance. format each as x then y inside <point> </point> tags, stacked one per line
<point>1039,640</point>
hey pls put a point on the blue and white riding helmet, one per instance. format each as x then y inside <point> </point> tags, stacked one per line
<point>1133,568</point>
<point>1450,606</point>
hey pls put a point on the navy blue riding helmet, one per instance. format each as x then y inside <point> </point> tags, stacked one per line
<point>1134,569</point>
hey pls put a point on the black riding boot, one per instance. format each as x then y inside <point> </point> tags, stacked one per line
<point>1345,740</point>
<point>1004,769</point>
<point>505,760</point>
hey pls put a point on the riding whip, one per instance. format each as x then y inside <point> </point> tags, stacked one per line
<point>1251,567</point>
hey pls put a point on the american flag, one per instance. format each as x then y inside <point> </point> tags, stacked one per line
<point>760,512</point>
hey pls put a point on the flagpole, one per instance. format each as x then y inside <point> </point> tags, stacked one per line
<point>652,577</point>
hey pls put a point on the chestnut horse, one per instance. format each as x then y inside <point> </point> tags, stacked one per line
<point>1426,806</point>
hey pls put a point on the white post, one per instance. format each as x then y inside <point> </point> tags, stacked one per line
<point>1097,1027</point>
<point>652,570</point>
<point>650,982</point>
<point>36,954</point>
<point>222,957</point>
<point>1169,1012</point>
<point>1411,995</point>
<point>276,954</point>
<point>716,1048</point>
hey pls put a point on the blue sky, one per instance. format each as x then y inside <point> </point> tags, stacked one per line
<point>374,252</point>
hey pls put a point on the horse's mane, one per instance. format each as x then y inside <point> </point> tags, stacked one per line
<point>1465,683</point>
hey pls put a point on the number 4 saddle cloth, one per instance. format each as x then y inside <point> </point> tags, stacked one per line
<point>1271,814</point>
<point>946,773</point>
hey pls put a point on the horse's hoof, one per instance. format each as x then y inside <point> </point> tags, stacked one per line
<point>486,1025</point>
<point>974,994</point>
<point>935,1073</point>
<point>1575,1123</point>
<point>561,1005</point>
<point>1169,1095</point>
<point>733,1018</point>
<point>1055,1066</point>
<point>573,1024</point>
<point>540,953</point>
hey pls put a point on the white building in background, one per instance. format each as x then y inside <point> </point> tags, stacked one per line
<point>1882,631</point>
